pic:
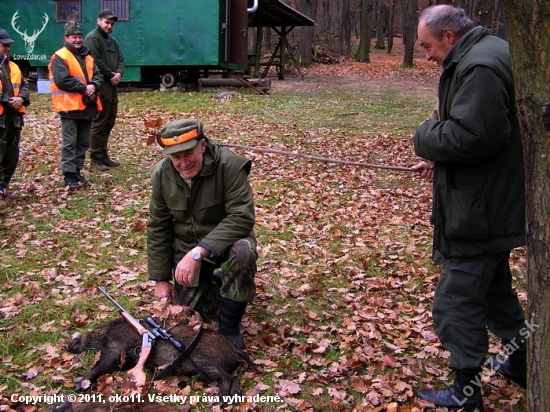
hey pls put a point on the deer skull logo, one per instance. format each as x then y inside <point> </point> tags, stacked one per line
<point>29,40</point>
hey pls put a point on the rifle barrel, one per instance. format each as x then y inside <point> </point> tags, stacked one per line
<point>114,302</point>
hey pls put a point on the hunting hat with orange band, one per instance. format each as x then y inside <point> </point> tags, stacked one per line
<point>179,135</point>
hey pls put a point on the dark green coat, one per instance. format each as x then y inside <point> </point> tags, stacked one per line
<point>108,58</point>
<point>479,192</point>
<point>215,212</point>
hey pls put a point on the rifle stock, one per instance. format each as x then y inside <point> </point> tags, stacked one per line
<point>134,323</point>
<point>137,373</point>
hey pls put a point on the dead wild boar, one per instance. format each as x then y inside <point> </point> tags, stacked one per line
<point>214,359</point>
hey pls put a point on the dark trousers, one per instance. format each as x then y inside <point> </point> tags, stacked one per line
<point>9,153</point>
<point>76,141</point>
<point>101,128</point>
<point>473,295</point>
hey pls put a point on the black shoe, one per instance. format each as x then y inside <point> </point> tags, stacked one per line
<point>97,164</point>
<point>3,199</point>
<point>513,368</point>
<point>465,393</point>
<point>72,181</point>
<point>107,161</point>
<point>83,181</point>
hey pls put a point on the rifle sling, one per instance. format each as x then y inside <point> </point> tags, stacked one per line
<point>186,352</point>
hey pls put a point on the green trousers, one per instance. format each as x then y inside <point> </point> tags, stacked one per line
<point>232,277</point>
<point>76,141</point>
<point>474,295</point>
<point>9,153</point>
<point>101,128</point>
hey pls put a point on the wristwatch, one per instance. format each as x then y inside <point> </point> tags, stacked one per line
<point>197,255</point>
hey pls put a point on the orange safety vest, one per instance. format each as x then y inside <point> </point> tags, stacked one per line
<point>16,79</point>
<point>68,101</point>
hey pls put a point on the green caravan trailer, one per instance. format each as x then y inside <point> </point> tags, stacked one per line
<point>163,41</point>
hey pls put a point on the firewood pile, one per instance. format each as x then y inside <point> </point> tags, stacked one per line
<point>324,57</point>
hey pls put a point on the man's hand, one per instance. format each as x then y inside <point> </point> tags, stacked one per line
<point>90,90</point>
<point>15,102</point>
<point>116,79</point>
<point>186,270</point>
<point>425,170</point>
<point>164,289</point>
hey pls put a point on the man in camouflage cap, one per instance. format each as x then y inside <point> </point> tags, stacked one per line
<point>200,230</point>
<point>74,82</point>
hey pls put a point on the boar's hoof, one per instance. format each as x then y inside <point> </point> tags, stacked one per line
<point>84,385</point>
<point>235,388</point>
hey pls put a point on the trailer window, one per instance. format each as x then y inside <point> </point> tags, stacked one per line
<point>119,7</point>
<point>66,10</point>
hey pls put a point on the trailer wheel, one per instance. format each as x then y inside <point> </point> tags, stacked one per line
<point>168,80</point>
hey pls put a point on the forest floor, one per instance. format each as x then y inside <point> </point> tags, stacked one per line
<point>383,71</point>
<point>342,316</point>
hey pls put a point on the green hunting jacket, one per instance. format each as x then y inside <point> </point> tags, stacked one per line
<point>479,190</point>
<point>215,212</point>
<point>108,58</point>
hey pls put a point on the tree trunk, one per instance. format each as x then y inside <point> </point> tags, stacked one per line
<point>381,27</point>
<point>305,44</point>
<point>499,26</point>
<point>346,28</point>
<point>363,52</point>
<point>391,19</point>
<point>409,30</point>
<point>529,32</point>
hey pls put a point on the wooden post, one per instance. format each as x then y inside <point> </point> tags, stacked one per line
<point>259,39</point>
<point>283,53</point>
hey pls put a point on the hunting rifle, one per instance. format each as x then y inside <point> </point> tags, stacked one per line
<point>147,341</point>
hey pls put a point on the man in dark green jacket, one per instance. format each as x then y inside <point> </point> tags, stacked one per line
<point>14,97</point>
<point>200,230</point>
<point>478,214</point>
<point>110,61</point>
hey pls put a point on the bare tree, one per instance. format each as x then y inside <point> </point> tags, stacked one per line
<point>391,19</point>
<point>345,43</point>
<point>409,30</point>
<point>305,44</point>
<point>363,52</point>
<point>529,32</point>
<point>381,25</point>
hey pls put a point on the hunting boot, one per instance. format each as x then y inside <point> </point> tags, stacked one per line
<point>72,181</point>
<point>107,161</point>
<point>465,392</point>
<point>96,163</point>
<point>3,199</point>
<point>514,367</point>
<point>83,181</point>
<point>231,314</point>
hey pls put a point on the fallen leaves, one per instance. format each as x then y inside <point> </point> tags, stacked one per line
<point>342,318</point>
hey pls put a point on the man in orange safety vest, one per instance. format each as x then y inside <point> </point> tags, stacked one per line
<point>74,82</point>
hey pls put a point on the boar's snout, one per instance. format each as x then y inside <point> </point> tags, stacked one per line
<point>75,345</point>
